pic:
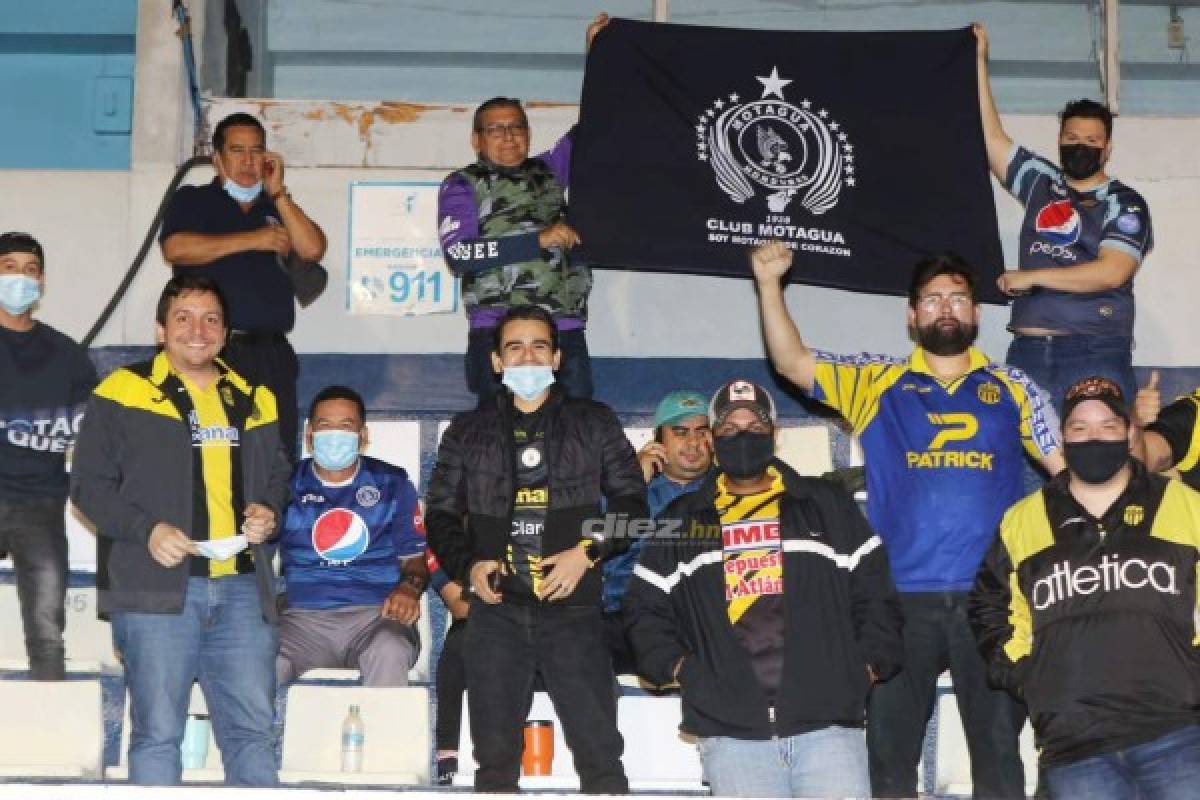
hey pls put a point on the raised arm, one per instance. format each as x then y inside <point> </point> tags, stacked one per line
<point>787,350</point>
<point>307,238</point>
<point>999,146</point>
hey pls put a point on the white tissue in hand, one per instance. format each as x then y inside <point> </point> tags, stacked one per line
<point>221,549</point>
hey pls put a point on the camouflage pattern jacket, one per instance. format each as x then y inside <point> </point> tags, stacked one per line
<point>489,220</point>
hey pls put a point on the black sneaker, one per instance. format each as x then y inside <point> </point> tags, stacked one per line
<point>447,768</point>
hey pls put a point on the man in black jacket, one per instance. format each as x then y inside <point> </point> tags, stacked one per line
<point>1085,608</point>
<point>515,484</point>
<point>770,600</point>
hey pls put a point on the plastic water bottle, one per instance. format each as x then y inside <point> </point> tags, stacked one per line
<point>353,738</point>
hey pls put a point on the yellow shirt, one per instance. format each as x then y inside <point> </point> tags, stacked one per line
<point>216,440</point>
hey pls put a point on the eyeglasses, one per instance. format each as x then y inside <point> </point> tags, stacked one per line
<point>502,130</point>
<point>934,302</point>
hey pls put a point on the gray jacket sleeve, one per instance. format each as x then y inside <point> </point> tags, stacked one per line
<point>96,476</point>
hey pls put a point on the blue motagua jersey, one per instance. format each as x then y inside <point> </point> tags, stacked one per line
<point>943,460</point>
<point>342,545</point>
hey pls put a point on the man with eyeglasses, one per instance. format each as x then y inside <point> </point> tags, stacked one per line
<point>943,432</point>
<point>502,228</point>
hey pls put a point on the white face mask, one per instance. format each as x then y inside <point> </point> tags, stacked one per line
<point>18,293</point>
<point>528,381</point>
<point>335,450</point>
<point>243,194</point>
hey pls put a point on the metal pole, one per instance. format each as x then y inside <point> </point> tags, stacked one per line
<point>660,10</point>
<point>1110,73</point>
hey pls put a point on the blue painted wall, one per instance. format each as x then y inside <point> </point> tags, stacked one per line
<point>66,83</point>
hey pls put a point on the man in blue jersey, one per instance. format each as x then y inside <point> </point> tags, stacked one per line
<point>943,432</point>
<point>353,547</point>
<point>1083,237</point>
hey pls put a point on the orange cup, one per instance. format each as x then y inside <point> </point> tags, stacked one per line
<point>538,758</point>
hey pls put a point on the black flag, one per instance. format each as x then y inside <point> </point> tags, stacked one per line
<point>863,150</point>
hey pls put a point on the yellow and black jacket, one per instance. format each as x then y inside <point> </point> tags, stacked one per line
<point>137,462</point>
<point>1094,621</point>
<point>1176,423</point>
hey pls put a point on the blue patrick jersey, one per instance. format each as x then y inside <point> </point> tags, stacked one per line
<point>943,459</point>
<point>342,545</point>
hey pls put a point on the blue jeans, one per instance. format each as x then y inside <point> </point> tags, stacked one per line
<point>1056,362</point>
<point>221,640</point>
<point>830,762</point>
<point>1167,768</point>
<point>33,531</point>
<point>574,371</point>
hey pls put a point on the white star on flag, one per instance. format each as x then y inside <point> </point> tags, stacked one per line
<point>823,113</point>
<point>850,181</point>
<point>772,84</point>
<point>733,98</point>
<point>719,104</point>
<point>806,104</point>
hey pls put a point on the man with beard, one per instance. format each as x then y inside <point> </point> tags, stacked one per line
<point>1098,568</point>
<point>1083,237</point>
<point>943,432</point>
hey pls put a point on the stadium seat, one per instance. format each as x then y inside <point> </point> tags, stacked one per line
<point>51,730</point>
<point>88,640</point>
<point>953,764</point>
<point>212,771</point>
<point>397,746</point>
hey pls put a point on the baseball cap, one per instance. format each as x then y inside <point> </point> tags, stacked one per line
<point>737,394</point>
<point>1095,388</point>
<point>678,406</point>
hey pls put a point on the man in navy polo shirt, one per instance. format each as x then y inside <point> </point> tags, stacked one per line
<point>1083,237</point>
<point>239,229</point>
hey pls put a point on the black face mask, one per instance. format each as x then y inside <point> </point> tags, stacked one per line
<point>744,455</point>
<point>1096,460</point>
<point>1080,161</point>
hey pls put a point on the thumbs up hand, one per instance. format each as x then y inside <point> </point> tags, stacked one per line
<point>1149,400</point>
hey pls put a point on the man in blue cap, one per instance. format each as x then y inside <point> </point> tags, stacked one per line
<point>675,462</point>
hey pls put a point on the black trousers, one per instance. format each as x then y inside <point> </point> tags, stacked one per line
<point>268,359</point>
<point>506,644</point>
<point>33,532</point>
<point>937,637</point>
<point>451,683</point>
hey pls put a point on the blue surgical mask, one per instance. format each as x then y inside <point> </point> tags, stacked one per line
<point>334,450</point>
<point>528,381</point>
<point>18,293</point>
<point>243,194</point>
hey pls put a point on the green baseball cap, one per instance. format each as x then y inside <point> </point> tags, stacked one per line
<point>678,406</point>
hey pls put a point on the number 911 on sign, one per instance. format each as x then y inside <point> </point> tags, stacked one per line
<point>395,290</point>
